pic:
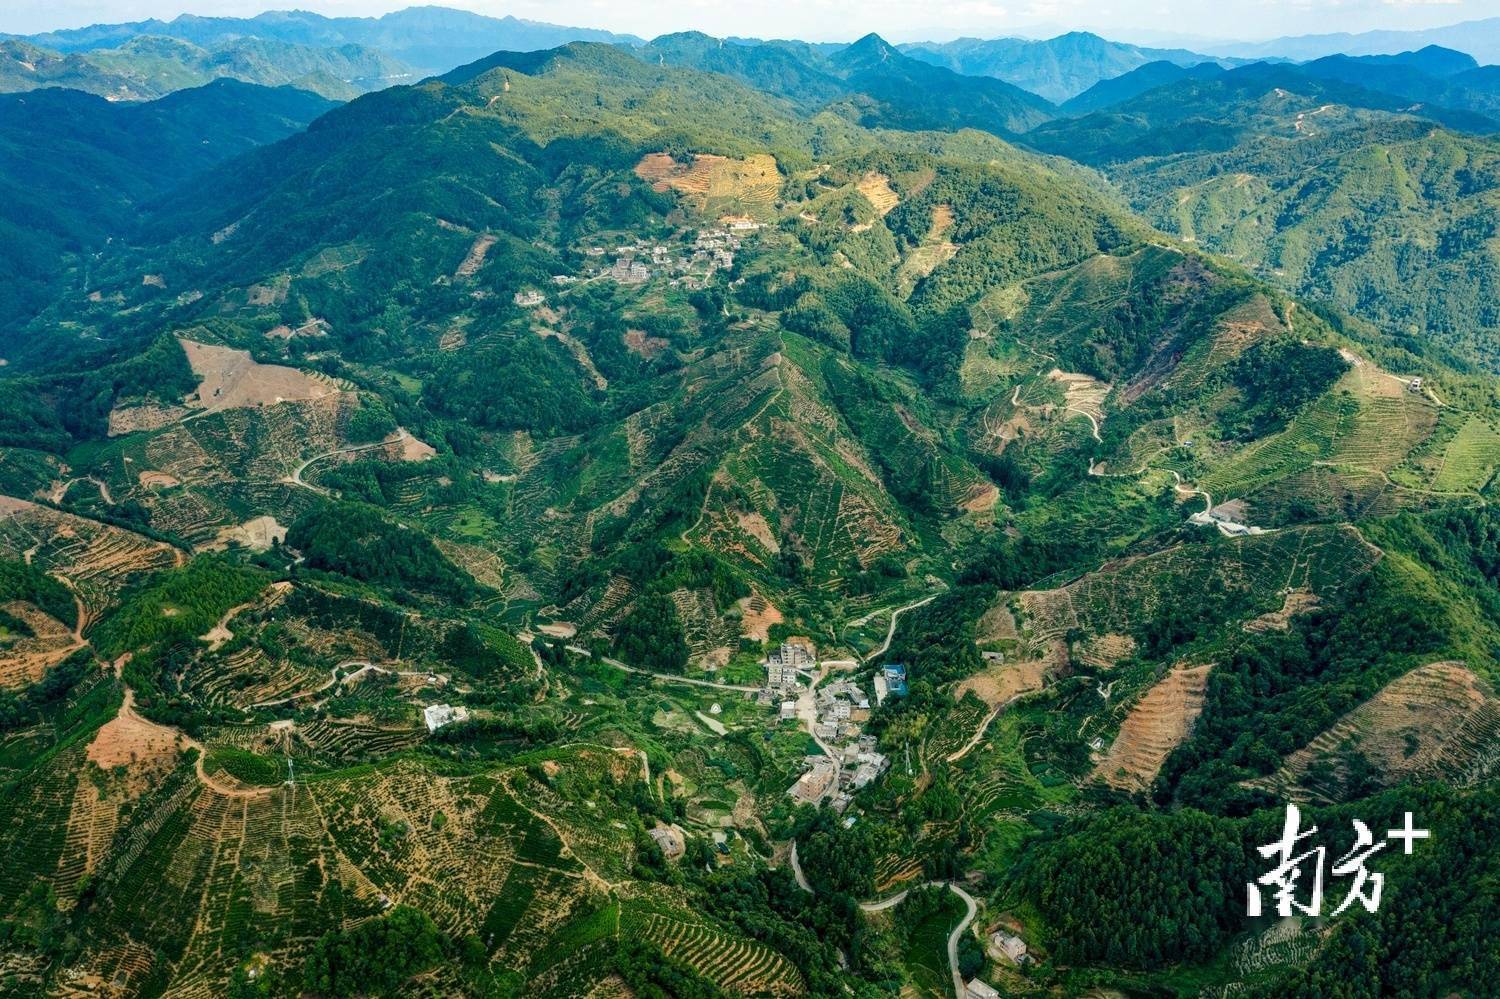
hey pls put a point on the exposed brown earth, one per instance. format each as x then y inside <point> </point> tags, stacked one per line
<point>1440,721</point>
<point>231,379</point>
<point>876,187</point>
<point>1155,726</point>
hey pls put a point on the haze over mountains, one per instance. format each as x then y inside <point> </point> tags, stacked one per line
<point>723,518</point>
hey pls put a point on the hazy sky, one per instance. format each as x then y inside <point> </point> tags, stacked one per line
<point>844,19</point>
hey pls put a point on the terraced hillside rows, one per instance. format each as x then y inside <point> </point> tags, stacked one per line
<point>449,491</point>
<point>1438,722</point>
<point>1153,727</point>
<point>483,855</point>
<point>96,559</point>
<point>1123,598</point>
<point>737,966</point>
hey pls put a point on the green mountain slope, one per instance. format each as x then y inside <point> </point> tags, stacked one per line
<point>1390,222</point>
<point>1118,89</point>
<point>433,39</point>
<point>105,160</point>
<point>869,81</point>
<point>398,525</point>
<point>1210,115</point>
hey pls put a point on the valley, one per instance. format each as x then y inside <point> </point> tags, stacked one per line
<point>683,519</point>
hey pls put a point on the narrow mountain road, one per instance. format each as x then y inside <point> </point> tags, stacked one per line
<point>1092,422</point>
<point>984,726</point>
<point>797,874</point>
<point>953,938</point>
<point>663,677</point>
<point>890,633</point>
<point>365,666</point>
<point>296,477</point>
<point>880,905</point>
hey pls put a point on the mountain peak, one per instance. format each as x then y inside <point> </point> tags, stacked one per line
<point>871,44</point>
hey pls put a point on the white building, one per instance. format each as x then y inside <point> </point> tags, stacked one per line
<point>978,989</point>
<point>1010,945</point>
<point>438,715</point>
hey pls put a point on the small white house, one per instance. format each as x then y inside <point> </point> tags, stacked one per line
<point>438,715</point>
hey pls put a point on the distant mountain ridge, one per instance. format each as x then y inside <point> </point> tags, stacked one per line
<point>1480,39</point>
<point>870,79</point>
<point>432,39</point>
<point>148,66</point>
<point>1055,68</point>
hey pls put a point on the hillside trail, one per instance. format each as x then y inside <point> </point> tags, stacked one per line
<point>663,677</point>
<point>296,477</point>
<point>880,905</point>
<point>219,634</point>
<point>1088,416</point>
<point>335,678</point>
<point>984,726</point>
<point>81,611</point>
<point>890,632</point>
<point>131,717</point>
<point>61,489</point>
<point>1190,490</point>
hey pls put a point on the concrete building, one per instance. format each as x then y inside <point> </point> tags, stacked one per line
<point>438,715</point>
<point>781,675</point>
<point>797,653</point>
<point>978,989</point>
<point>817,782</point>
<point>671,841</point>
<point>1010,946</point>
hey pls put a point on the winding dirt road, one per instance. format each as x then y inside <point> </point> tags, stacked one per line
<point>880,905</point>
<point>296,477</point>
<point>890,633</point>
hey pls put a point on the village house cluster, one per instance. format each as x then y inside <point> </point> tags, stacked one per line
<point>688,264</point>
<point>838,712</point>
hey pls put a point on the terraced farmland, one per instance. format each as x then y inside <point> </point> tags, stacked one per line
<point>1123,596</point>
<point>1438,722</point>
<point>734,964</point>
<point>718,185</point>
<point>1154,726</point>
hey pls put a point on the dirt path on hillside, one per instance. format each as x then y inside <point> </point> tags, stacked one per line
<point>296,477</point>
<point>890,632</point>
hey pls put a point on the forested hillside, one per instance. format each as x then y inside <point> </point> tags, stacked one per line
<point>715,520</point>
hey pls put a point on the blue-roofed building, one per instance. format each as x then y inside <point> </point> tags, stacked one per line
<point>894,675</point>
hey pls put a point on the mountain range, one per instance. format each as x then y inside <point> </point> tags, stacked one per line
<point>705,519</point>
<point>146,67</point>
<point>431,39</point>
<point>1480,39</point>
<point>1056,68</point>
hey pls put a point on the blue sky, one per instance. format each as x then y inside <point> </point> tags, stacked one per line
<point>898,20</point>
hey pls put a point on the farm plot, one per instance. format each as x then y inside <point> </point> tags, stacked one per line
<point>43,642</point>
<point>1460,457</point>
<point>876,187</point>
<point>736,965</point>
<point>232,379</point>
<point>1438,722</point>
<point>1124,596</point>
<point>98,559</point>
<point>1366,424</point>
<point>718,185</point>
<point>1156,724</point>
